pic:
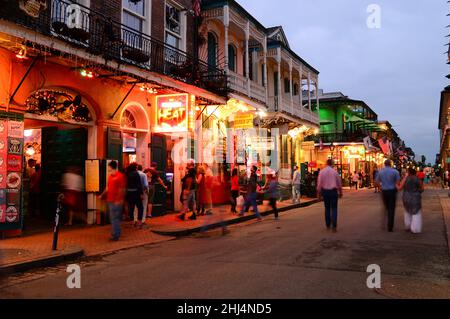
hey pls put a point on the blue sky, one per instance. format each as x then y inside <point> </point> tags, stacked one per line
<point>399,69</point>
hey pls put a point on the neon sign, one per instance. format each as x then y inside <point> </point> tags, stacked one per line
<point>172,113</point>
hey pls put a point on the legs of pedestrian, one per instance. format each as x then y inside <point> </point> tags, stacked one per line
<point>389,199</point>
<point>115,216</point>
<point>273,204</point>
<point>253,199</point>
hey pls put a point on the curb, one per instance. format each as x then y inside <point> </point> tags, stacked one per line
<point>47,261</point>
<point>190,231</point>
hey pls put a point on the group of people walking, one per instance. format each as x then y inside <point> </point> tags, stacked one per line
<point>133,191</point>
<point>390,182</point>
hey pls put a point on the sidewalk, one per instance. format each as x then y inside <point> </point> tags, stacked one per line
<point>23,253</point>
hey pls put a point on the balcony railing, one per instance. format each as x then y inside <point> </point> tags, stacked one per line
<point>296,109</point>
<point>242,85</point>
<point>347,137</point>
<point>100,35</point>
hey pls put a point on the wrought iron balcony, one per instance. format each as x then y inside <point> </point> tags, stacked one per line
<point>355,137</point>
<point>100,35</point>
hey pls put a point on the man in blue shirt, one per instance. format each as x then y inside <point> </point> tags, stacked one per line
<point>389,178</point>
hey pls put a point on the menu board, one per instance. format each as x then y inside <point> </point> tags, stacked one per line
<point>92,176</point>
<point>11,165</point>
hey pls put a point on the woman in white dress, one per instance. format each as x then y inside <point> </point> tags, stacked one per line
<point>412,188</point>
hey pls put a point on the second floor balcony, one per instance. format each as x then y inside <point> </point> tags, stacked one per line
<point>99,35</point>
<point>339,137</point>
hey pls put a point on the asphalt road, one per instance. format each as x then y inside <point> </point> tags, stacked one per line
<point>294,257</point>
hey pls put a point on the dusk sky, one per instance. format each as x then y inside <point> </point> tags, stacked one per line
<point>399,69</point>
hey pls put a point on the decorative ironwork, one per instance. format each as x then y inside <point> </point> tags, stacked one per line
<point>58,104</point>
<point>100,35</point>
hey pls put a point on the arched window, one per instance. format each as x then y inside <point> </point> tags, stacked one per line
<point>212,49</point>
<point>128,120</point>
<point>231,58</point>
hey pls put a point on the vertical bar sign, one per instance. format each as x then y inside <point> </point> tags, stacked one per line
<point>15,142</point>
<point>3,168</point>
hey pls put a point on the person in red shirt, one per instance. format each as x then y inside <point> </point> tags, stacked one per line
<point>235,189</point>
<point>114,195</point>
<point>421,175</point>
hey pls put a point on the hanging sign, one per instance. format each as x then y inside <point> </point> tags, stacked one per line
<point>33,8</point>
<point>263,143</point>
<point>243,121</point>
<point>171,113</point>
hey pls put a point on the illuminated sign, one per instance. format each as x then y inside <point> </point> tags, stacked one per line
<point>172,113</point>
<point>243,121</point>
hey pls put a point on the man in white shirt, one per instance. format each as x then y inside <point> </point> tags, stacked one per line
<point>296,185</point>
<point>144,182</point>
<point>329,187</point>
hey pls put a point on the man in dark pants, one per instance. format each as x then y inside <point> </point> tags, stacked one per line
<point>329,186</point>
<point>135,192</point>
<point>389,178</point>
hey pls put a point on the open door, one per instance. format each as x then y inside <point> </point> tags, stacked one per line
<point>158,151</point>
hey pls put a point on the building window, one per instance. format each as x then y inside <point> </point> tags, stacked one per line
<point>295,89</point>
<point>275,83</point>
<point>212,49</point>
<point>174,26</point>
<point>263,75</point>
<point>133,15</point>
<point>128,120</point>
<point>231,58</point>
<point>287,85</point>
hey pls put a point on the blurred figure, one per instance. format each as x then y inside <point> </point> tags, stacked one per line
<point>355,179</point>
<point>251,198</point>
<point>272,190</point>
<point>73,186</point>
<point>35,191</point>
<point>388,178</point>
<point>154,180</point>
<point>375,183</point>
<point>188,189</point>
<point>114,195</point>
<point>329,187</point>
<point>31,167</point>
<point>296,185</point>
<point>201,191</point>
<point>235,190</point>
<point>209,179</point>
<point>135,193</point>
<point>412,188</point>
<point>144,183</point>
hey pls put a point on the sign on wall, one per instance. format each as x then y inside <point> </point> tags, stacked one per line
<point>92,176</point>
<point>171,113</point>
<point>243,121</point>
<point>11,165</point>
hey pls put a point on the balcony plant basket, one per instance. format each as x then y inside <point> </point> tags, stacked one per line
<point>135,54</point>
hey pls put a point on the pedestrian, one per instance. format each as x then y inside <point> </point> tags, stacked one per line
<point>272,190</point>
<point>355,179</point>
<point>188,189</point>
<point>135,193</point>
<point>72,183</point>
<point>235,190</point>
<point>388,178</point>
<point>375,183</point>
<point>35,191</point>
<point>201,195</point>
<point>296,185</point>
<point>144,183</point>
<point>154,180</point>
<point>412,188</point>
<point>329,187</point>
<point>209,181</point>
<point>251,197</point>
<point>421,175</point>
<point>114,194</point>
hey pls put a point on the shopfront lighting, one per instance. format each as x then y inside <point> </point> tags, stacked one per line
<point>30,151</point>
<point>22,53</point>
<point>28,133</point>
<point>149,90</point>
<point>87,73</point>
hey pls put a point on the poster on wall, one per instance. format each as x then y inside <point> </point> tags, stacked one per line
<point>92,179</point>
<point>11,160</point>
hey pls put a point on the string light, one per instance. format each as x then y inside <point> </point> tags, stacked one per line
<point>22,53</point>
<point>150,90</point>
<point>87,73</point>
